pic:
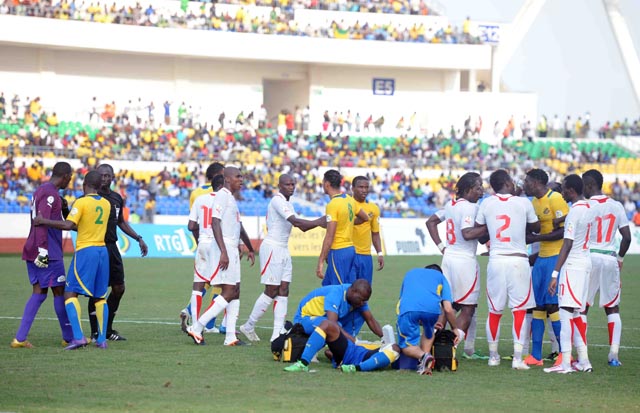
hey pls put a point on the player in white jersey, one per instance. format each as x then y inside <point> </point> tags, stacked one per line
<point>459,263</point>
<point>573,268</point>
<point>204,270</point>
<point>275,260</point>
<point>606,258</point>
<point>227,231</point>
<point>507,219</point>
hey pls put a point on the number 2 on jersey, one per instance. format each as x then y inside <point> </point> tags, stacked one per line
<point>100,211</point>
<point>504,227</point>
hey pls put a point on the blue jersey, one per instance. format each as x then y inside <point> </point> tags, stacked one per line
<point>329,298</point>
<point>423,290</point>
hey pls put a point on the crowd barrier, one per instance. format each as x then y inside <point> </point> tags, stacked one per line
<point>168,237</point>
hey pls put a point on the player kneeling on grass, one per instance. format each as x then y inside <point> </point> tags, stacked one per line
<point>425,299</point>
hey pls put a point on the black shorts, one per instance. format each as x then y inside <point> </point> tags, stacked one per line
<point>116,268</point>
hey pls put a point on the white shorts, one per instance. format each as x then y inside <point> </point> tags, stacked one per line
<point>230,276</point>
<point>509,278</point>
<point>573,284</point>
<point>463,275</point>
<point>205,266</point>
<point>605,277</point>
<point>275,264</point>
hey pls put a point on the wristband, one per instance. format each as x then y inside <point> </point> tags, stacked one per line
<point>43,251</point>
<point>554,274</point>
<point>620,259</point>
<point>380,254</point>
<point>138,238</point>
<point>440,246</point>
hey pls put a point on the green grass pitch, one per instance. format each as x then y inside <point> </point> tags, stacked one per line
<point>160,370</point>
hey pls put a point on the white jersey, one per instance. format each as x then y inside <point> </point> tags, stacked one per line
<point>278,228</point>
<point>458,215</point>
<point>577,227</point>
<point>506,217</point>
<point>201,213</point>
<point>225,208</point>
<point>609,217</point>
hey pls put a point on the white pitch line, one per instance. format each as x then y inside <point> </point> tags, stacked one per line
<point>172,323</point>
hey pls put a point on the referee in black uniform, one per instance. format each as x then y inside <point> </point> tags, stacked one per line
<point>116,268</point>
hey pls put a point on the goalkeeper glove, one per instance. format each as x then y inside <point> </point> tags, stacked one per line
<point>42,260</point>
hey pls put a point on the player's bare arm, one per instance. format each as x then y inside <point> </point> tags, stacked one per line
<point>475,233</point>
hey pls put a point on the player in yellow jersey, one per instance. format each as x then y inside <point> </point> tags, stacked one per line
<point>548,205</point>
<point>89,270</point>
<point>337,248</point>
<point>367,232</point>
<point>364,235</point>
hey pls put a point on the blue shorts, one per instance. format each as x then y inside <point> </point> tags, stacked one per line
<point>89,272</point>
<point>310,323</point>
<point>541,277</point>
<point>363,266</point>
<point>347,352</point>
<point>408,326</point>
<point>52,276</point>
<point>340,267</point>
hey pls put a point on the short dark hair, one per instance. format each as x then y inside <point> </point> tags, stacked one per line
<point>105,165</point>
<point>539,175</point>
<point>595,175</point>
<point>574,182</point>
<point>433,267</point>
<point>333,177</point>
<point>214,169</point>
<point>498,179</point>
<point>465,183</point>
<point>61,169</point>
<point>358,179</point>
<point>217,182</point>
<point>93,179</point>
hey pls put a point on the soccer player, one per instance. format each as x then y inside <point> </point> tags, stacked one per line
<point>606,262</point>
<point>276,270</point>
<point>44,256</point>
<point>337,247</point>
<point>227,232</point>
<point>89,269</point>
<point>573,267</point>
<point>425,300</point>
<point>507,219</point>
<point>116,267</point>
<point>214,170</point>
<point>321,310</point>
<point>205,268</point>
<point>459,264</point>
<point>548,205</point>
<point>364,234</point>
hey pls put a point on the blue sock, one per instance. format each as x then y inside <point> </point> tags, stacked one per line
<point>537,334</point>
<point>72,306</point>
<point>375,362</point>
<point>556,331</point>
<point>63,318</point>
<point>314,344</point>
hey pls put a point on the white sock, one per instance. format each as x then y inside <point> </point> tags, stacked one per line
<point>565,337</point>
<point>526,333</point>
<point>555,346</point>
<point>233,310</point>
<point>614,335</point>
<point>517,351</point>
<point>262,303</point>
<point>279,315</point>
<point>196,297</point>
<point>470,339</point>
<point>217,306</point>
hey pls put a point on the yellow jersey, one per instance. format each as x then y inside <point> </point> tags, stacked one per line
<point>362,233</point>
<point>547,208</point>
<point>90,214</point>
<point>201,190</point>
<point>342,209</point>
